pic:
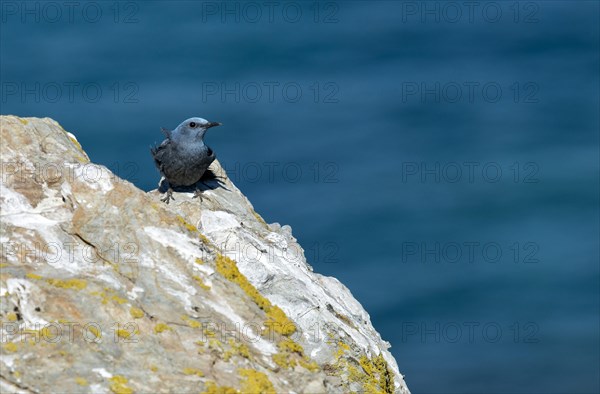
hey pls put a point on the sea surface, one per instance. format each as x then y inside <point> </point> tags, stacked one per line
<point>441,159</point>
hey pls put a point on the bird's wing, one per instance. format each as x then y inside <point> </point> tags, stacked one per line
<point>209,158</point>
<point>211,154</point>
<point>158,152</point>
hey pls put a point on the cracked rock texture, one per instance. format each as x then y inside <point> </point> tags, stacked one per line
<point>104,288</point>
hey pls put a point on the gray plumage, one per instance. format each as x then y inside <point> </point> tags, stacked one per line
<point>183,157</point>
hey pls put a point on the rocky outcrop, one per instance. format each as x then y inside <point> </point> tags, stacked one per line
<point>104,288</point>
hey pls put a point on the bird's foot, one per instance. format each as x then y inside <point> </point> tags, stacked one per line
<point>168,197</point>
<point>198,194</point>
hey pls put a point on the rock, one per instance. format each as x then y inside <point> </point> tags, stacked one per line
<point>104,288</point>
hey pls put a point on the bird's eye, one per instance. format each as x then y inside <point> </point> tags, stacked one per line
<point>192,124</point>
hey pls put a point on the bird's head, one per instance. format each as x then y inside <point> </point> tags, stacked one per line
<point>194,128</point>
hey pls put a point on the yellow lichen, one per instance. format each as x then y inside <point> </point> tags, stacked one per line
<point>47,333</point>
<point>81,381</point>
<point>354,375</point>
<point>279,322</point>
<point>215,344</point>
<point>191,322</point>
<point>237,349</point>
<point>276,318</point>
<point>124,333</point>
<point>259,218</point>
<point>199,261</point>
<point>119,385</point>
<point>94,330</point>
<point>161,327</point>
<point>136,313</point>
<point>255,382</point>
<point>228,268</point>
<point>187,225</point>
<point>377,377</point>
<point>288,345</point>
<point>194,229</point>
<point>31,275</point>
<point>374,374</point>
<point>366,365</point>
<point>212,388</point>
<point>72,138</point>
<point>283,360</point>
<point>10,347</point>
<point>74,141</point>
<point>291,354</point>
<point>342,347</point>
<point>192,371</point>
<point>153,368</point>
<point>23,121</point>
<point>109,294</point>
<point>208,332</point>
<point>386,378</point>
<point>82,159</point>
<point>205,239</point>
<point>118,299</point>
<point>34,333</point>
<point>201,345</point>
<point>201,282</point>
<point>78,284</point>
<point>11,316</point>
<point>312,366</point>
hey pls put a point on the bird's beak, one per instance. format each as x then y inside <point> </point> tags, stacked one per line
<point>213,124</point>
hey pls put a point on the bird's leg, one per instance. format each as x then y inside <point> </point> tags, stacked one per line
<point>168,197</point>
<point>198,194</point>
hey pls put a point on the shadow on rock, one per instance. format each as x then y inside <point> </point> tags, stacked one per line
<point>209,181</point>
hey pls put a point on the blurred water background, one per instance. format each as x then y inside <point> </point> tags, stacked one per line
<point>438,158</point>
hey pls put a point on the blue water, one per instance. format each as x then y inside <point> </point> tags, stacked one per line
<point>462,215</point>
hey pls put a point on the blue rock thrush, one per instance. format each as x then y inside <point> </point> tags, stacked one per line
<point>183,158</point>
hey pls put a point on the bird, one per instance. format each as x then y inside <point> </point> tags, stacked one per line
<point>183,157</point>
